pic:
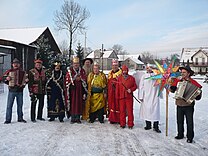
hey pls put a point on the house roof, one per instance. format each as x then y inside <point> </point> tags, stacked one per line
<point>132,57</point>
<point>106,54</point>
<point>7,47</point>
<point>202,51</point>
<point>187,53</point>
<point>22,35</point>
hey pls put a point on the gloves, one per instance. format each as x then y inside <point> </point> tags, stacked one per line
<point>33,97</point>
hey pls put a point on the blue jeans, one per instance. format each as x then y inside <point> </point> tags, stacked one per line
<point>10,102</point>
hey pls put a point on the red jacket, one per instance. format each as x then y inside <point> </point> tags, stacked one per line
<point>123,85</point>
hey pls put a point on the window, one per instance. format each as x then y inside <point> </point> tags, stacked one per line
<point>196,61</point>
<point>203,61</point>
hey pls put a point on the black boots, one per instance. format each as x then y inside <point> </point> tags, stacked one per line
<point>155,126</point>
<point>148,125</point>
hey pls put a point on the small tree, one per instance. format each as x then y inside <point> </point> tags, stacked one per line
<point>80,53</point>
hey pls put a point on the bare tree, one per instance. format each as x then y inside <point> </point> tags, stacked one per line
<point>64,47</point>
<point>118,49</point>
<point>72,18</point>
<point>147,57</point>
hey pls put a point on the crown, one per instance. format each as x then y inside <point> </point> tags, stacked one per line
<point>57,64</point>
<point>76,59</point>
<point>114,62</point>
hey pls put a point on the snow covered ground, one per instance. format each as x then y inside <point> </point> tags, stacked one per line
<point>91,139</point>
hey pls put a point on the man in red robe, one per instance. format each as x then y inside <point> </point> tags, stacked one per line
<point>76,90</point>
<point>126,85</point>
<point>113,106</point>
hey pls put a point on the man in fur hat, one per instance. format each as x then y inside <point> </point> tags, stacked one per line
<point>16,80</point>
<point>36,85</point>
<point>183,107</point>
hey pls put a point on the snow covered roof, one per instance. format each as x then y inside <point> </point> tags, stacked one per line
<point>106,54</point>
<point>187,53</point>
<point>21,35</point>
<point>2,54</point>
<point>8,47</point>
<point>132,57</point>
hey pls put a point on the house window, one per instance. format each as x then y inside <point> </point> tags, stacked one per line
<point>196,61</point>
<point>203,61</point>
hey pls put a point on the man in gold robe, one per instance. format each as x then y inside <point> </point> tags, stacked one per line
<point>97,93</point>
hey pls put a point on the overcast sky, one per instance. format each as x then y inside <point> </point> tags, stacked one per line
<point>158,26</point>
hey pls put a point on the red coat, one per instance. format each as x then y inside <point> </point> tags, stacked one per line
<point>123,85</point>
<point>113,105</point>
<point>75,90</point>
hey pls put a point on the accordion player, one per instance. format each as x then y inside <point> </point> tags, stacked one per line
<point>187,91</point>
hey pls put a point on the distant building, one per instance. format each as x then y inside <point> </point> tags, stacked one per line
<point>20,43</point>
<point>131,61</point>
<point>196,58</point>
<point>104,59</point>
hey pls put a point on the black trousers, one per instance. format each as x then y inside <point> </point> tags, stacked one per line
<point>188,112</point>
<point>98,114</point>
<point>40,98</point>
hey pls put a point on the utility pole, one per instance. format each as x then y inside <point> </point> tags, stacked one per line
<point>102,57</point>
<point>85,48</point>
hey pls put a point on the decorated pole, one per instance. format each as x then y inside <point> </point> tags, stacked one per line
<point>166,132</point>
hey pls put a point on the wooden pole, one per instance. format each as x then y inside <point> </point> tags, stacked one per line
<point>166,112</point>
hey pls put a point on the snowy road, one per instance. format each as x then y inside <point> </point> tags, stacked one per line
<point>45,138</point>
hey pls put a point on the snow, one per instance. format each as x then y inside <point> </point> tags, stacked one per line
<point>106,54</point>
<point>92,139</point>
<point>21,35</point>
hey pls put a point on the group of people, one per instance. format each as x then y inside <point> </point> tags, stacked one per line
<point>85,93</point>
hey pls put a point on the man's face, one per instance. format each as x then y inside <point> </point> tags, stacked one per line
<point>38,66</point>
<point>76,65</point>
<point>184,73</point>
<point>125,72</point>
<point>96,69</point>
<point>115,67</point>
<point>87,63</point>
<point>57,68</point>
<point>15,65</point>
<point>148,69</point>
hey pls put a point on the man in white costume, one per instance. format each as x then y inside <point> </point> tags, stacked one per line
<point>150,106</point>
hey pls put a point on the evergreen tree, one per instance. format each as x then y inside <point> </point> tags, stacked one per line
<point>139,58</point>
<point>80,53</point>
<point>44,50</point>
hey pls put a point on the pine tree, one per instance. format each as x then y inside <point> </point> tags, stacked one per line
<point>80,53</point>
<point>44,50</point>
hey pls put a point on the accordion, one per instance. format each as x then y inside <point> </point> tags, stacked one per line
<point>187,91</point>
<point>17,79</point>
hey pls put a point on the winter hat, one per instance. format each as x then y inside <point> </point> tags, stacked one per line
<point>124,68</point>
<point>188,69</point>
<point>38,61</point>
<point>16,61</point>
<point>91,61</point>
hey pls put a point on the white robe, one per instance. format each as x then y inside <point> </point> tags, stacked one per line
<point>137,77</point>
<point>150,107</point>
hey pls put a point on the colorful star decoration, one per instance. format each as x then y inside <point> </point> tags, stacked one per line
<point>164,75</point>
